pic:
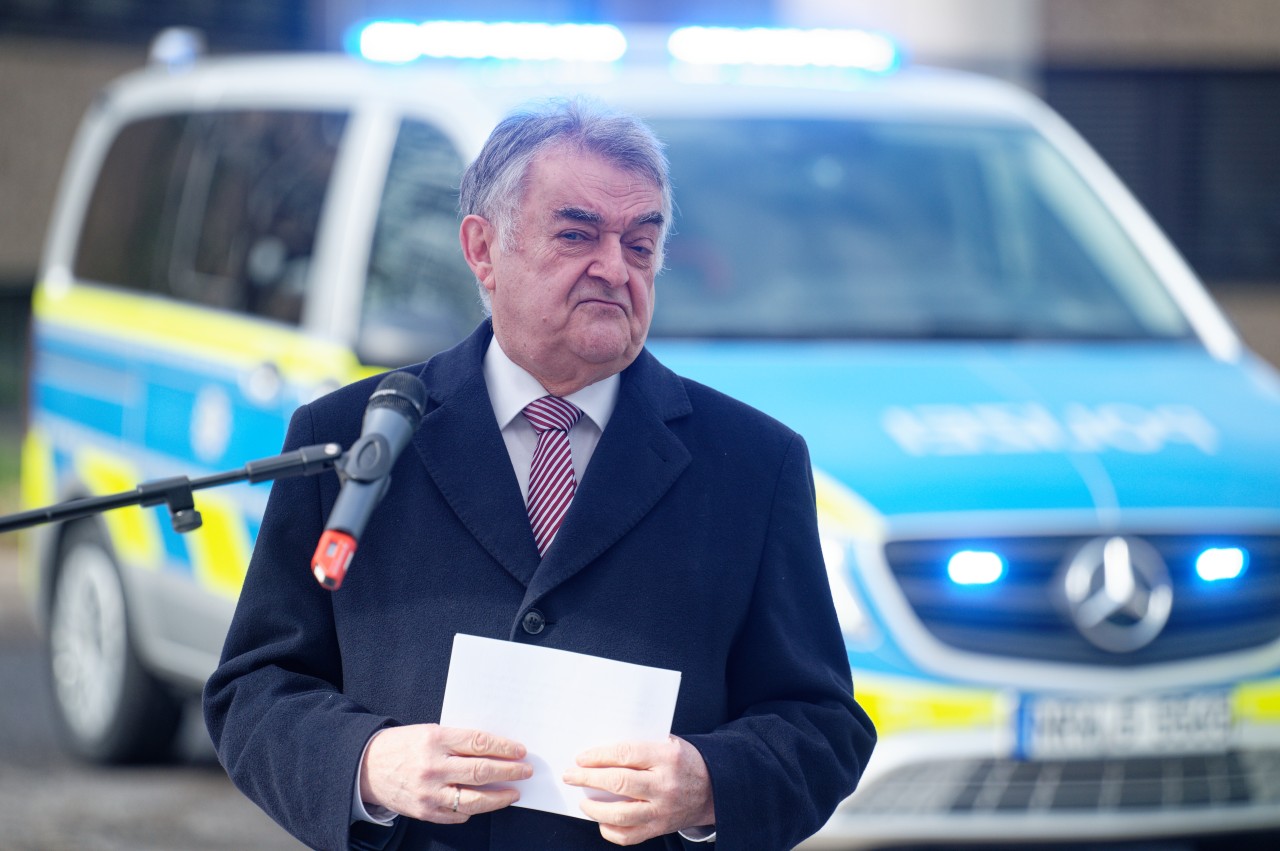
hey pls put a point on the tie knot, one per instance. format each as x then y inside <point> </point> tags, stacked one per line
<point>551,412</point>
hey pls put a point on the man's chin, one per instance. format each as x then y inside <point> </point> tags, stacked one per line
<point>608,350</point>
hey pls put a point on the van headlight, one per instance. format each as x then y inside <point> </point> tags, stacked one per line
<point>845,520</point>
<point>850,609</point>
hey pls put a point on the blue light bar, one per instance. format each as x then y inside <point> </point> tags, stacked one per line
<point>389,41</point>
<point>826,48</point>
<point>1218,563</point>
<point>975,567</point>
<point>405,41</point>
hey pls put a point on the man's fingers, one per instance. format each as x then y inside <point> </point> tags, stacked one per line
<point>475,801</point>
<point>478,771</point>
<point>663,786</point>
<point>624,782</point>
<point>479,743</point>
<point>624,823</point>
<point>619,813</point>
<point>456,804</point>
<point>626,835</point>
<point>623,754</point>
<point>425,771</point>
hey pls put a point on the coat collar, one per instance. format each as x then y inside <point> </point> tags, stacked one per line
<point>636,462</point>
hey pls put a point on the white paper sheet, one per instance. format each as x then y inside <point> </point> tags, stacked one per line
<point>557,704</point>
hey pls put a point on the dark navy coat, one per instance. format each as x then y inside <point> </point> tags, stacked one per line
<point>691,544</point>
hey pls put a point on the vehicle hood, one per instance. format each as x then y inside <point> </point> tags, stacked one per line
<point>928,428</point>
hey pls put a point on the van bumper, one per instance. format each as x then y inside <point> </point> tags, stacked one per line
<point>1009,800</point>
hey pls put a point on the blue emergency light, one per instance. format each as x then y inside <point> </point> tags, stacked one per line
<point>1220,563</point>
<point>975,567</point>
<point>824,48</point>
<point>399,42</point>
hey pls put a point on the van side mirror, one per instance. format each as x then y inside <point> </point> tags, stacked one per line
<point>394,342</point>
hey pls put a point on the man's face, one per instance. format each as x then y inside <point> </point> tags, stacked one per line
<point>573,296</point>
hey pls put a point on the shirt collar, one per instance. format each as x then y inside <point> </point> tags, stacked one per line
<point>511,388</point>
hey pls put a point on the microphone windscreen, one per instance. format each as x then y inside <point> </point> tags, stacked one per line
<point>403,393</point>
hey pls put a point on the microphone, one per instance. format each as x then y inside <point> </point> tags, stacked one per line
<point>390,419</point>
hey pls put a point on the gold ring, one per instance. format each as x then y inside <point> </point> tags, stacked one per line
<point>457,796</point>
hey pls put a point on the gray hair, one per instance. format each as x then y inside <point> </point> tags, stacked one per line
<point>493,185</point>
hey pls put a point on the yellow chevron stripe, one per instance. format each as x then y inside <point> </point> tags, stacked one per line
<point>899,706</point>
<point>196,332</point>
<point>220,548</point>
<point>1257,702</point>
<point>134,531</point>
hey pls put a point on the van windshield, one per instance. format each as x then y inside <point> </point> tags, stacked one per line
<point>843,229</point>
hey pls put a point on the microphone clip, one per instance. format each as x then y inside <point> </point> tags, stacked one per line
<point>369,459</point>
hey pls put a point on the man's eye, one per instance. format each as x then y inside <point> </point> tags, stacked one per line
<point>642,250</point>
<point>573,236</point>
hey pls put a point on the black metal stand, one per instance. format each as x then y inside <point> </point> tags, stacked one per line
<point>178,492</point>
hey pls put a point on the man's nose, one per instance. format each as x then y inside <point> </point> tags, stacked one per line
<point>610,263</point>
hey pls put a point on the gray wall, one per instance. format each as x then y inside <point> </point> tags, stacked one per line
<point>45,86</point>
<point>1162,32</point>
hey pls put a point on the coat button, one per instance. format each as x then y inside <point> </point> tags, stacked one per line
<point>533,622</point>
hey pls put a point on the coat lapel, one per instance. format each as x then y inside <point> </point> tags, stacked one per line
<point>464,453</point>
<point>634,465</point>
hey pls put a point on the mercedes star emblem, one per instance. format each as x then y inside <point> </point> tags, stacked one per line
<point>1118,593</point>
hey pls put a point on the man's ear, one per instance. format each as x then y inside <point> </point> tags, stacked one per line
<point>478,237</point>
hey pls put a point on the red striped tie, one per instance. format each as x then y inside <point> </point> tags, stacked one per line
<point>551,480</point>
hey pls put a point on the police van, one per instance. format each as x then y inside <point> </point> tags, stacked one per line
<point>1048,470</point>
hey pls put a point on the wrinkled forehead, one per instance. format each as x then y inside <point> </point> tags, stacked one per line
<point>570,173</point>
<point>580,185</point>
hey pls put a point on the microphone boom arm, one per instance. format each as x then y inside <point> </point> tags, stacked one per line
<point>178,492</point>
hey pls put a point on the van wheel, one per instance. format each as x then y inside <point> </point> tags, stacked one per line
<point>108,707</point>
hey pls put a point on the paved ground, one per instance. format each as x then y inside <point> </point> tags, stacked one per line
<point>49,802</point>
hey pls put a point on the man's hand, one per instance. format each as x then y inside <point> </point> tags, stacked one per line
<point>667,783</point>
<point>424,770</point>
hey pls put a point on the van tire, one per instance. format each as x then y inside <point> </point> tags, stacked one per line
<point>108,707</point>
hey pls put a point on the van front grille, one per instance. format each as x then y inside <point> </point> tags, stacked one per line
<point>1120,785</point>
<point>1023,615</point>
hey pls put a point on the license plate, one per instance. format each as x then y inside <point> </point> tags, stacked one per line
<point>1185,723</point>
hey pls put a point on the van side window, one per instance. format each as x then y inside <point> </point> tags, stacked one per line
<point>128,231</point>
<point>420,297</point>
<point>218,209</point>
<point>246,223</point>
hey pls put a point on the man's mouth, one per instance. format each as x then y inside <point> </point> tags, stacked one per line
<point>602,301</point>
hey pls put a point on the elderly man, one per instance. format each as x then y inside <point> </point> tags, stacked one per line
<point>566,490</point>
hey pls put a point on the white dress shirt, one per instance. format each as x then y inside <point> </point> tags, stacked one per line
<point>511,389</point>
